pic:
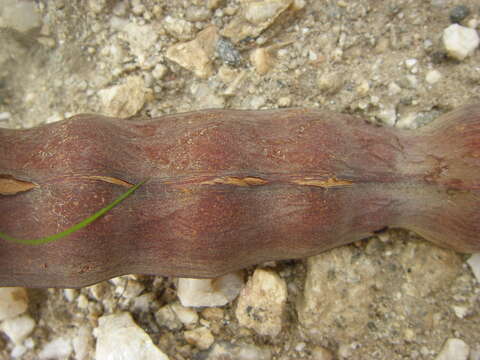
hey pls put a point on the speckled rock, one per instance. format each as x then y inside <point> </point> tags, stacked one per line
<point>262,302</point>
<point>357,278</point>
<point>118,337</point>
<point>13,302</point>
<point>210,292</point>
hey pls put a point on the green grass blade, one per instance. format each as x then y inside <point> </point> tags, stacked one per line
<point>78,226</point>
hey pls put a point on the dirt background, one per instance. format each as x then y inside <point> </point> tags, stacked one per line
<point>365,57</point>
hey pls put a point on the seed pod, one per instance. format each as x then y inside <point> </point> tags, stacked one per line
<point>228,189</point>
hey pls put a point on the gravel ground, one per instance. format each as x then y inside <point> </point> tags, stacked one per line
<point>393,296</point>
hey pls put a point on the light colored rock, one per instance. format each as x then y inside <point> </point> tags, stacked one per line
<point>332,276</point>
<point>200,337</point>
<point>427,268</point>
<point>254,17</point>
<point>165,316</point>
<point>126,99</point>
<point>19,15</point>
<point>454,349</point>
<point>388,115</point>
<point>227,351</point>
<point>460,41</point>
<point>433,76</point>
<point>261,60</point>
<point>159,71</point>
<point>262,302</point>
<point>82,343</point>
<point>118,337</point>
<point>178,28</point>
<point>394,89</point>
<point>196,55</point>
<point>187,316</point>
<point>13,302</point>
<point>474,263</point>
<point>210,292</point>
<point>18,328</point>
<point>58,349</point>
<point>97,6</point>
<point>330,83</point>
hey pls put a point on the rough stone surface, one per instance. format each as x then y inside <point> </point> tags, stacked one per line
<point>209,292</point>
<point>59,348</point>
<point>261,303</point>
<point>119,337</point>
<point>352,275</point>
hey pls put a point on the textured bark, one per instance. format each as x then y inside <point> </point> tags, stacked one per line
<point>228,189</point>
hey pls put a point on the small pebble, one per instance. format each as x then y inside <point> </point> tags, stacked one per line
<point>261,60</point>
<point>227,52</point>
<point>454,349</point>
<point>119,337</point>
<point>433,76</point>
<point>284,101</point>
<point>200,337</point>
<point>460,41</point>
<point>210,292</point>
<point>18,328</point>
<point>59,348</point>
<point>187,316</point>
<point>458,13</point>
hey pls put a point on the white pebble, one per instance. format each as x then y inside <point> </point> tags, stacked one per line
<point>388,115</point>
<point>13,302</point>
<point>209,292</point>
<point>433,76</point>
<point>460,41</point>
<point>410,63</point>
<point>454,349</point>
<point>474,263</point>
<point>17,329</point>
<point>119,337</point>
<point>5,116</point>
<point>60,348</point>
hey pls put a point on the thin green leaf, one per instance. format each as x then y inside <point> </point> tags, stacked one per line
<point>78,226</point>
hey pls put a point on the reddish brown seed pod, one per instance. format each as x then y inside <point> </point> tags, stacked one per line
<point>228,189</point>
